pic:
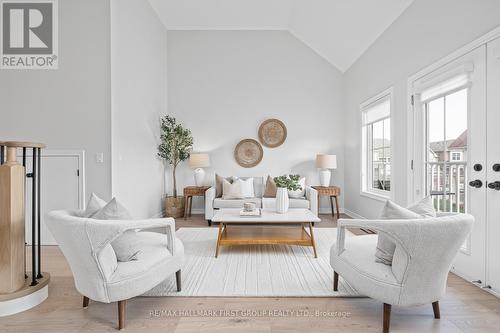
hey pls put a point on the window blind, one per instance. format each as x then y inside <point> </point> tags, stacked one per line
<point>376,111</point>
<point>439,84</point>
<point>447,86</point>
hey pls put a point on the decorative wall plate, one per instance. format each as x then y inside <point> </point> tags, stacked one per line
<point>248,153</point>
<point>272,133</point>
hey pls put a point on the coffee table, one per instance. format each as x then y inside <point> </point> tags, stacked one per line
<point>269,228</point>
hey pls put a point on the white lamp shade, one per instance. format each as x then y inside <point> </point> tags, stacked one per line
<point>324,161</point>
<point>199,160</point>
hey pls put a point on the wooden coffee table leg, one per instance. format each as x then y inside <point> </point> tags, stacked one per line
<point>218,240</point>
<point>313,243</point>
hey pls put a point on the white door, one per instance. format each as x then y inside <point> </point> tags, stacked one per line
<point>450,149</point>
<point>493,171</point>
<point>60,188</point>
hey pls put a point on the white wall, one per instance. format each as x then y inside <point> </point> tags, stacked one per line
<point>427,31</point>
<point>67,108</point>
<point>223,84</point>
<point>139,97</point>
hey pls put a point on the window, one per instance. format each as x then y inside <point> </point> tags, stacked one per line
<point>446,145</point>
<point>376,145</point>
<point>441,138</point>
<point>456,156</point>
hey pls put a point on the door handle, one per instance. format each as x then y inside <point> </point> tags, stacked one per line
<point>494,185</point>
<point>477,183</point>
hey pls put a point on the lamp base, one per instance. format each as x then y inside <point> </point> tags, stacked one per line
<point>199,176</point>
<point>324,177</point>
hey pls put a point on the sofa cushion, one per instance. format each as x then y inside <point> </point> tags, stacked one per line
<point>258,184</point>
<point>125,246</point>
<point>359,254</point>
<point>235,203</point>
<point>94,205</point>
<point>154,262</point>
<point>232,190</point>
<point>271,188</point>
<point>153,246</point>
<point>392,211</point>
<point>270,203</point>
<point>218,184</point>
<point>424,207</point>
<point>247,190</point>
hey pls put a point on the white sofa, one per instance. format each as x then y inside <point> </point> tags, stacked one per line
<point>425,249</point>
<point>86,244</point>
<point>212,203</point>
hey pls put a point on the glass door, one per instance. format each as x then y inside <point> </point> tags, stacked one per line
<point>450,150</point>
<point>446,151</point>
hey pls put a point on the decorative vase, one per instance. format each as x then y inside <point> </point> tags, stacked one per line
<point>282,201</point>
<point>174,206</point>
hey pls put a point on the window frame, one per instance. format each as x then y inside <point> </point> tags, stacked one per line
<point>366,174</point>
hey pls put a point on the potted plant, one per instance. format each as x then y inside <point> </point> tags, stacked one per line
<point>175,147</point>
<point>284,184</point>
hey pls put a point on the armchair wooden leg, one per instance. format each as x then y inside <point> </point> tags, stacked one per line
<point>121,315</point>
<point>387,317</point>
<point>85,302</point>
<point>335,281</point>
<point>435,308</point>
<point>178,279</point>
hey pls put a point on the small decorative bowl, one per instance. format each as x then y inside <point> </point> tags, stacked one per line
<point>249,206</point>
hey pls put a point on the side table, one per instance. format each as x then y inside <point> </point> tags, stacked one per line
<point>332,192</point>
<point>189,193</point>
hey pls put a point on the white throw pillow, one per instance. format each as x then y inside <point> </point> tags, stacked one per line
<point>299,194</point>
<point>393,211</point>
<point>112,211</point>
<point>95,203</point>
<point>231,191</point>
<point>247,187</point>
<point>424,208</point>
<point>127,245</point>
<point>385,246</point>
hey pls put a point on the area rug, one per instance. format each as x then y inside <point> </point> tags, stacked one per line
<point>254,270</point>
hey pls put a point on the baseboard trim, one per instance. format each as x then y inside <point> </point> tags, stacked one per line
<point>354,215</point>
<point>468,279</point>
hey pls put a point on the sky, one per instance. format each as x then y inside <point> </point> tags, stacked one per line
<point>456,116</point>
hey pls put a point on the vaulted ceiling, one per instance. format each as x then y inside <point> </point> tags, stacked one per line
<point>338,30</point>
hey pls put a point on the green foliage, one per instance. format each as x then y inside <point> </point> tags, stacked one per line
<point>290,182</point>
<point>176,143</point>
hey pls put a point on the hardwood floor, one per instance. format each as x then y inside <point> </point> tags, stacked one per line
<point>465,308</point>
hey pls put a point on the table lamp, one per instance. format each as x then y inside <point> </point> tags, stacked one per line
<point>198,161</point>
<point>325,162</point>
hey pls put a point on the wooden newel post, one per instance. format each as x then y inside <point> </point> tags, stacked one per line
<point>12,196</point>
